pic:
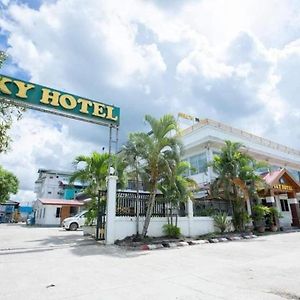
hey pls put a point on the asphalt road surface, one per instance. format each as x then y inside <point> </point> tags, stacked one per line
<point>50,263</point>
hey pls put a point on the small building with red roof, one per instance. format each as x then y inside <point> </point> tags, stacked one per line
<point>51,212</point>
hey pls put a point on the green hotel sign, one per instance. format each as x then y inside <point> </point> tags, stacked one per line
<point>49,100</point>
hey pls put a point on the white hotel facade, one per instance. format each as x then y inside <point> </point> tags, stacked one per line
<point>205,138</point>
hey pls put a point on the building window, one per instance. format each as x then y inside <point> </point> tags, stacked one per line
<point>282,180</point>
<point>198,163</point>
<point>51,177</point>
<point>284,205</point>
<point>49,192</point>
<point>57,215</point>
<point>73,211</point>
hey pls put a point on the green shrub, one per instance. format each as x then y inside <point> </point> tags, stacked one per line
<point>239,219</point>
<point>221,221</point>
<point>259,212</point>
<point>171,231</point>
<point>272,216</point>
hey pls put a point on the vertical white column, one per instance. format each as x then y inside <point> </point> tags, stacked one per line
<point>248,207</point>
<point>190,211</point>
<point>111,209</point>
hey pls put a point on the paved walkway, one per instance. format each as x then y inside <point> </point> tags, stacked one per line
<point>49,263</point>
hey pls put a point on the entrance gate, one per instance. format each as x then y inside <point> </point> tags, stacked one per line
<point>101,215</point>
<point>102,221</point>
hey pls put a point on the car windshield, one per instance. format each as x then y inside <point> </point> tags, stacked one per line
<point>79,215</point>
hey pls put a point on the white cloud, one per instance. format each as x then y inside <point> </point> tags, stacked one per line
<point>206,64</point>
<point>38,144</point>
<point>235,61</point>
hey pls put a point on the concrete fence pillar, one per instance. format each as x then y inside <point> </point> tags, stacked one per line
<point>111,209</point>
<point>190,211</point>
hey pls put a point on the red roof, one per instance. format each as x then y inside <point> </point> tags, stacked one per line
<point>271,177</point>
<point>61,202</point>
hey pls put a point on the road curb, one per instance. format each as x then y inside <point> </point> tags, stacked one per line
<point>195,242</point>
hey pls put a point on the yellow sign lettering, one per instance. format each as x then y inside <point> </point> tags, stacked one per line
<point>98,110</point>
<point>110,114</point>
<point>84,105</point>
<point>3,88</point>
<point>67,101</point>
<point>36,96</point>
<point>23,88</point>
<point>283,187</point>
<point>48,96</point>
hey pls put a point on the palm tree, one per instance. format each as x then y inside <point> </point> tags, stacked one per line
<point>158,151</point>
<point>131,153</point>
<point>94,171</point>
<point>176,187</point>
<point>236,180</point>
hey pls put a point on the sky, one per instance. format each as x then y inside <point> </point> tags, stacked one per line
<point>234,61</point>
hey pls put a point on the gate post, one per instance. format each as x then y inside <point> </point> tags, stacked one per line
<point>111,209</point>
<point>190,211</point>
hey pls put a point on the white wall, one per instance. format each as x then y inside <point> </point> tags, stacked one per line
<point>126,226</point>
<point>50,214</point>
<point>50,217</point>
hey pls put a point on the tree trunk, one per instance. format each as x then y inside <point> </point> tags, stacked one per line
<point>149,212</point>
<point>137,205</point>
<point>167,214</point>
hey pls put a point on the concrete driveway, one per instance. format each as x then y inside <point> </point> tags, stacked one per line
<point>49,263</point>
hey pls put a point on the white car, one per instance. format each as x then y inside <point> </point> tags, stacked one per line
<point>73,223</point>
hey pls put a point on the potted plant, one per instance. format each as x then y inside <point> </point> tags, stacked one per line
<point>259,213</point>
<point>272,217</point>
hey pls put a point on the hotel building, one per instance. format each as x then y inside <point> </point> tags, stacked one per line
<point>206,137</point>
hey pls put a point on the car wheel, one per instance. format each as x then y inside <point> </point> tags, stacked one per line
<point>73,226</point>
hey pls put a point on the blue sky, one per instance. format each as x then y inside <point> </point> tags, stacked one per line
<point>233,61</point>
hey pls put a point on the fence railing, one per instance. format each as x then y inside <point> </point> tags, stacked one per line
<point>211,207</point>
<point>128,204</point>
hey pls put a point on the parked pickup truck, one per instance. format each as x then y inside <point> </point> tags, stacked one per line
<point>73,223</point>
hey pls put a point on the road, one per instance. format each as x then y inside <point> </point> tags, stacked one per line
<point>50,263</point>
